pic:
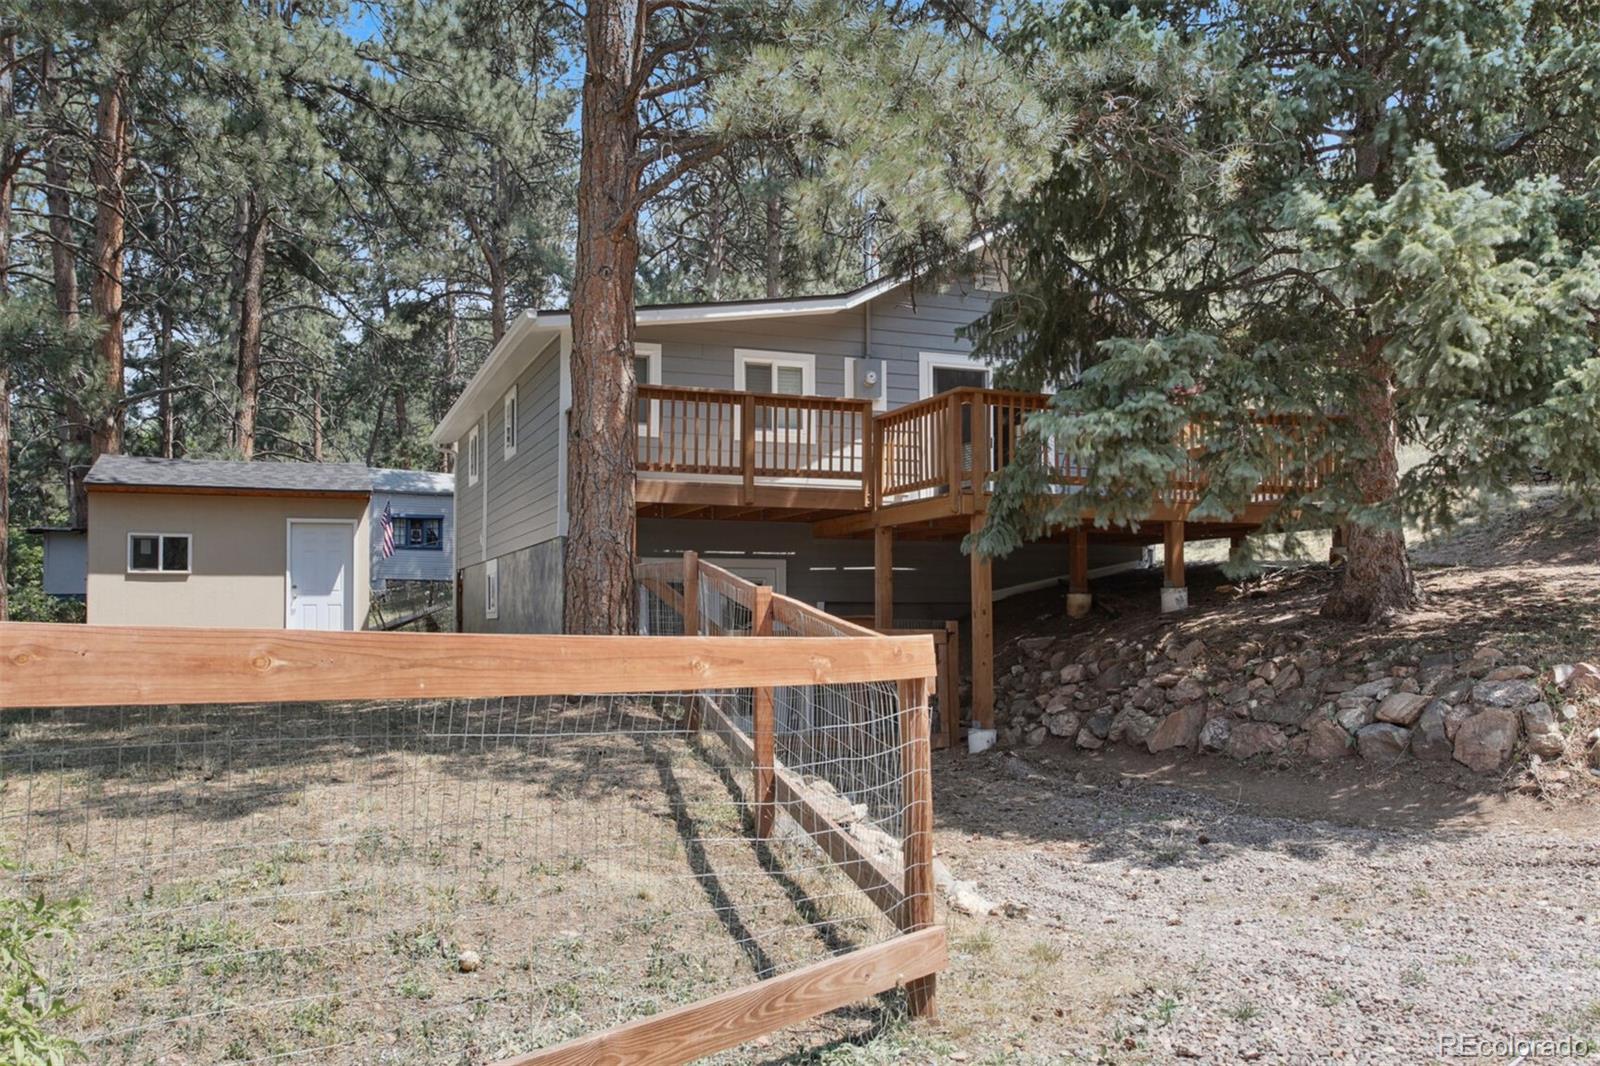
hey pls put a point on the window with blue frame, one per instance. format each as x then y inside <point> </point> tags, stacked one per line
<point>414,532</point>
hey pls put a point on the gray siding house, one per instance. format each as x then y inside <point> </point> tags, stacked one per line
<point>423,506</point>
<point>888,346</point>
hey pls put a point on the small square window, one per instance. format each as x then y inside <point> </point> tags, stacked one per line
<point>145,553</point>
<point>158,553</point>
<point>174,553</point>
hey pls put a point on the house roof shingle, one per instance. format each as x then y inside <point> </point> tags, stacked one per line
<point>141,472</point>
<point>413,482</point>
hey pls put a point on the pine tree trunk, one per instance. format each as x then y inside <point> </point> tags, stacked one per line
<point>1377,579</point>
<point>444,385</point>
<point>774,246</point>
<point>316,421</point>
<point>600,444</point>
<point>8,55</point>
<point>105,295</point>
<point>253,225</point>
<point>64,286</point>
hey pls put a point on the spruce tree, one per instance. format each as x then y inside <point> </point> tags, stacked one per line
<point>1378,221</point>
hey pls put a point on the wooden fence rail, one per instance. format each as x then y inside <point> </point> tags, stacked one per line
<point>93,666</point>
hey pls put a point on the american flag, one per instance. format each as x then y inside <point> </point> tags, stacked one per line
<point>388,529</point>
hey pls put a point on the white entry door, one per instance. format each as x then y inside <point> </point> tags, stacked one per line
<point>321,563</point>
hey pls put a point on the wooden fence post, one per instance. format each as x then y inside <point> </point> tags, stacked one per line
<point>747,445</point>
<point>980,448</point>
<point>761,723</point>
<point>952,449</point>
<point>691,625</point>
<point>918,849</point>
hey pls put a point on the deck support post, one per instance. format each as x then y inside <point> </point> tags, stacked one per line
<point>764,795</point>
<point>883,578</point>
<point>1079,598</point>
<point>1235,544</point>
<point>981,736</point>
<point>1336,551</point>
<point>1174,592</point>
<point>917,914</point>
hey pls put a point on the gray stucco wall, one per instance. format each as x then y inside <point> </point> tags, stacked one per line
<point>530,591</point>
<point>931,579</point>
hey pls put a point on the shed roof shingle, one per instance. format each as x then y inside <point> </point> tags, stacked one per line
<point>130,471</point>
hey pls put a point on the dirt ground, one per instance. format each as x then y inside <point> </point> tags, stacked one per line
<point>293,881</point>
<point>1172,909</point>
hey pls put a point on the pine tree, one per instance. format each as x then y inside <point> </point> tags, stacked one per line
<point>1382,213</point>
<point>915,117</point>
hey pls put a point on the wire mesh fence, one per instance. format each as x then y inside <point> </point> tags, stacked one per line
<point>445,879</point>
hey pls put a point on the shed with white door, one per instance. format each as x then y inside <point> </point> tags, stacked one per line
<point>192,542</point>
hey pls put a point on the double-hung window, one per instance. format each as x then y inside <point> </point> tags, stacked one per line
<point>474,457</point>
<point>777,373</point>
<point>158,553</point>
<point>419,532</point>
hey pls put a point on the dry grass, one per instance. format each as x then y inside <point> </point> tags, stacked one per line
<point>265,882</point>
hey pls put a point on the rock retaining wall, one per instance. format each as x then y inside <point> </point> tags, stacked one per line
<point>1285,697</point>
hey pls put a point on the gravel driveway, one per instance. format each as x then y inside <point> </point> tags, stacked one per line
<point>1294,920</point>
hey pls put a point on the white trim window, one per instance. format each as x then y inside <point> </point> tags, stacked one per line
<point>474,457</point>
<point>159,553</point>
<point>508,410</point>
<point>776,373</point>
<point>942,371</point>
<point>647,371</point>
<point>783,373</point>
<point>491,589</point>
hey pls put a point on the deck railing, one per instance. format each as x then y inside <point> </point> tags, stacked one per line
<point>956,441</point>
<point>731,433</point>
<point>946,445</point>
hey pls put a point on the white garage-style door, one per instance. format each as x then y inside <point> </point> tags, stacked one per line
<point>321,568</point>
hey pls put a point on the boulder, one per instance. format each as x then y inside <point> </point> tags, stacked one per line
<point>1289,678</point>
<point>1579,679</point>
<point>1035,736</point>
<point>1509,673</point>
<point>1186,691</point>
<point>1214,734</point>
<point>1401,708</point>
<point>1515,693</point>
<point>1100,724</point>
<point>1429,739</point>
<point>1132,725</point>
<point>1087,739</point>
<point>1383,743</point>
<point>1484,741</point>
<point>1374,690</point>
<point>1248,739</point>
<point>1544,733</point>
<point>1355,714</point>
<point>1063,723</point>
<point>1326,740</point>
<point>1290,710</point>
<point>1074,674</point>
<point>1186,655</point>
<point>1180,729</point>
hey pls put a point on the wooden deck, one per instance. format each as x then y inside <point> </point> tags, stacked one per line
<point>924,471</point>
